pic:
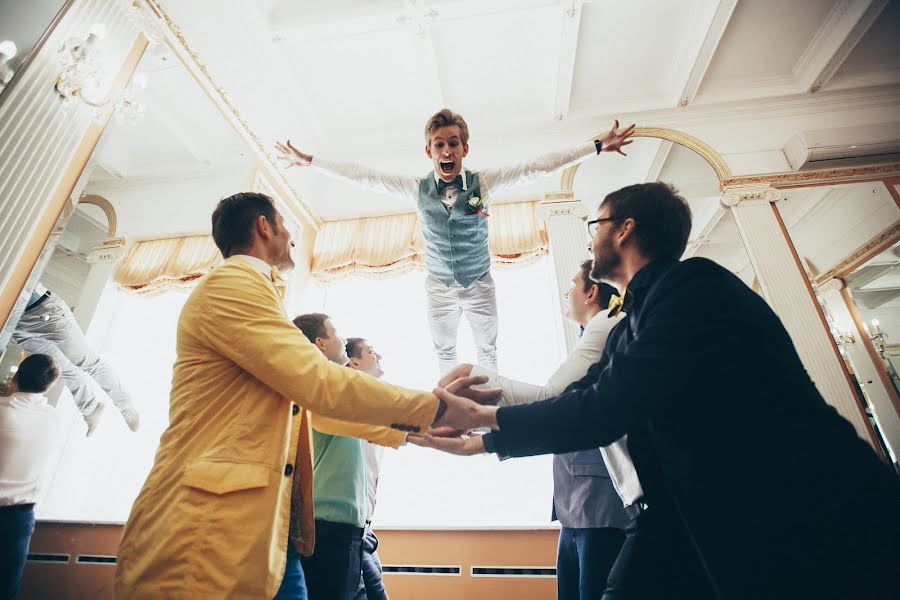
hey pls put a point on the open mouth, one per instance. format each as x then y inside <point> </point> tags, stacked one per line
<point>447,166</point>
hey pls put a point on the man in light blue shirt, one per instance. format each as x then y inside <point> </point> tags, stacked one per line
<point>341,500</point>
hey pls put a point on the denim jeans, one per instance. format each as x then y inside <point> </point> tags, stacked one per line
<point>371,584</point>
<point>584,559</point>
<point>293,585</point>
<point>16,527</point>
<point>50,328</point>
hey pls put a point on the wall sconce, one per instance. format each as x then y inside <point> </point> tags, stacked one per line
<point>81,70</point>
<point>842,339</point>
<point>81,77</point>
<point>876,334</point>
<point>128,110</point>
<point>8,52</point>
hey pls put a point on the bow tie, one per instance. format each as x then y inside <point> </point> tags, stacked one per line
<point>621,303</point>
<point>457,183</point>
<point>278,281</point>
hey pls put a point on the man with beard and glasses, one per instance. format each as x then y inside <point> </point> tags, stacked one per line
<point>452,205</point>
<point>739,456</point>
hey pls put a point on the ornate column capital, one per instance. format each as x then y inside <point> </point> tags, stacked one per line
<point>561,204</point>
<point>734,195</point>
<point>831,285</point>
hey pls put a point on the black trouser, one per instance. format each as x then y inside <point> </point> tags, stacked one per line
<point>657,561</point>
<point>16,527</point>
<point>332,571</point>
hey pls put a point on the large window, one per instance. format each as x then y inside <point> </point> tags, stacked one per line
<point>97,479</point>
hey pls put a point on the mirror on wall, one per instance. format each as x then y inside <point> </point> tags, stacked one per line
<point>22,26</point>
<point>156,174</point>
<point>831,226</point>
<point>875,290</point>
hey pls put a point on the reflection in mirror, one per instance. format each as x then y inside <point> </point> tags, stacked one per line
<point>158,174</point>
<point>875,290</point>
<point>830,226</point>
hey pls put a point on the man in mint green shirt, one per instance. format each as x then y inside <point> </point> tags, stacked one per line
<point>340,490</point>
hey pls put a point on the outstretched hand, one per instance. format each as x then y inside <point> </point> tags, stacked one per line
<point>292,156</point>
<point>458,412</point>
<point>448,440</point>
<point>460,370</point>
<point>616,139</point>
<point>463,387</point>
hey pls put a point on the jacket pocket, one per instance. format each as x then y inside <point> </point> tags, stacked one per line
<point>223,477</point>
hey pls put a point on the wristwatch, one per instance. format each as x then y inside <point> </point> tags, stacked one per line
<point>598,145</point>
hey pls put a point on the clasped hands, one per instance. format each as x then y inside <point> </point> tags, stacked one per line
<point>463,408</point>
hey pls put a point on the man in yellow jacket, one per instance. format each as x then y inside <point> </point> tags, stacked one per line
<point>231,485</point>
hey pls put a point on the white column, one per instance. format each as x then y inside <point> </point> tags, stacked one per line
<point>851,338</point>
<point>568,236</point>
<point>785,287</point>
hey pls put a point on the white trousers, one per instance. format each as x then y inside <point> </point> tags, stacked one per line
<point>50,328</point>
<point>447,303</point>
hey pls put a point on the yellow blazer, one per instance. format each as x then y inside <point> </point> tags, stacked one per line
<point>212,518</point>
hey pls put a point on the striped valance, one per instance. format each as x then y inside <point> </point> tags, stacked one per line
<point>385,246</point>
<point>154,266</point>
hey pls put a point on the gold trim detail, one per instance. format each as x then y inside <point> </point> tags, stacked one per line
<point>838,271</point>
<point>306,210</point>
<point>818,176</point>
<point>732,196</point>
<point>106,207</point>
<point>565,195</point>
<point>674,136</point>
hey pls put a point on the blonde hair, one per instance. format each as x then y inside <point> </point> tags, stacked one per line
<point>443,118</point>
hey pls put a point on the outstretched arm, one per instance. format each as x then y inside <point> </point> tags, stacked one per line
<point>383,183</point>
<point>495,180</point>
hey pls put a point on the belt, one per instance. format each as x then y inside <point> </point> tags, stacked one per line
<point>38,302</point>
<point>338,529</point>
<point>636,508</point>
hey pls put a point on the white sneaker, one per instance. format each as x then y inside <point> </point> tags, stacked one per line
<point>131,416</point>
<point>93,419</point>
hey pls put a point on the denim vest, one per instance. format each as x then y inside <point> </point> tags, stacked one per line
<point>456,243</point>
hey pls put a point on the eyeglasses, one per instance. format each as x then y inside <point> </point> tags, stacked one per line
<point>594,225</point>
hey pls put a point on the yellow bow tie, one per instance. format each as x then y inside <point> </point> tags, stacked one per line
<point>619,304</point>
<point>278,281</point>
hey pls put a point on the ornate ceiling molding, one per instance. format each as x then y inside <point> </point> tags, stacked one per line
<point>815,177</point>
<point>672,135</point>
<point>224,103</point>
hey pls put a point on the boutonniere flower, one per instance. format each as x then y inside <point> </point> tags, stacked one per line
<point>477,207</point>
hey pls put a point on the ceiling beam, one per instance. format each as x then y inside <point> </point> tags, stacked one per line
<point>568,53</point>
<point>689,90</point>
<point>703,237</point>
<point>843,28</point>
<point>659,161</point>
<point>707,50</point>
<point>180,132</point>
<point>115,165</point>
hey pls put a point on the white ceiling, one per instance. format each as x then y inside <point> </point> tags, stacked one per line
<point>357,80</point>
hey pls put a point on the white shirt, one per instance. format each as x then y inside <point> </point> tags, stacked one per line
<point>491,180</point>
<point>374,454</point>
<point>258,264</point>
<point>28,431</point>
<point>586,352</point>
